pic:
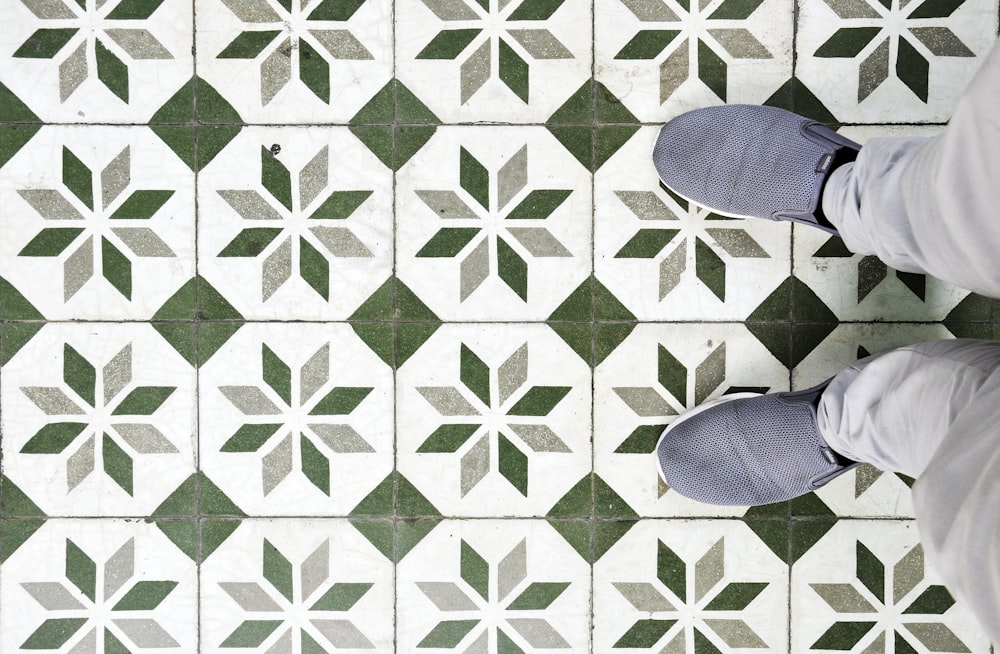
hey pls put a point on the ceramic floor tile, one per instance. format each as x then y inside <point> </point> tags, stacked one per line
<point>495,61</point>
<point>494,420</point>
<point>98,419</point>
<point>95,62</point>
<point>296,419</point>
<point>654,375</point>
<point>669,259</point>
<point>99,223</point>
<point>865,587</point>
<point>690,586</point>
<point>296,585</point>
<point>98,585</point>
<point>492,227</point>
<point>494,586</point>
<point>891,62</point>
<point>305,213</point>
<point>301,62</point>
<point>664,57</point>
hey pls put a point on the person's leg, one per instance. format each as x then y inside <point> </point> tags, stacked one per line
<point>932,411</point>
<point>930,205</point>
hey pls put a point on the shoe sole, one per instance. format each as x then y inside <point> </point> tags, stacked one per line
<point>690,414</point>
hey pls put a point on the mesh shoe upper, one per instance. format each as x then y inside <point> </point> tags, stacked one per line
<point>747,160</point>
<point>748,451</point>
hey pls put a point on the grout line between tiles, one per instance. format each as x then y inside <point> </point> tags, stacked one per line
<point>594,122</point>
<point>199,548</point>
<point>395,359</point>
<point>592,526</point>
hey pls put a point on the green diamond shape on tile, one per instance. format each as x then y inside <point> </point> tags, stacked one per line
<point>220,320</point>
<point>14,137</point>
<point>373,123</point>
<point>394,124</point>
<point>576,533</point>
<point>811,520</point>
<point>607,336</point>
<point>806,306</point>
<point>22,518</point>
<point>410,336</point>
<point>578,336</point>
<point>577,502</point>
<point>770,523</point>
<point>591,496</point>
<point>578,305</point>
<point>796,97</point>
<point>610,139</point>
<point>379,501</point>
<point>970,317</point>
<point>608,503</point>
<point>379,532</point>
<point>572,320</point>
<point>572,124</point>
<point>176,517</point>
<point>791,322</point>
<point>180,305</point>
<point>617,125</point>
<point>15,307</point>
<point>773,533</point>
<point>173,123</point>
<point>409,533</point>
<point>197,299</point>
<point>420,516</point>
<point>372,326</point>
<point>607,533</point>
<point>607,306</point>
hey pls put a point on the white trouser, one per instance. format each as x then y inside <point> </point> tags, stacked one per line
<point>932,410</point>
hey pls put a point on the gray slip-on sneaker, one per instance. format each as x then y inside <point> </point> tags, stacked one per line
<point>750,161</point>
<point>749,449</point>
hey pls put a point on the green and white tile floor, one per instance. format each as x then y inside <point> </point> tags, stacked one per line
<point>349,325</point>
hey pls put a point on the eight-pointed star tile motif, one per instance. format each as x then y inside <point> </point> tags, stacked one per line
<point>98,586</point>
<point>669,259</point>
<point>701,586</point>
<point>682,54</point>
<point>314,419</point>
<point>94,60</point>
<point>481,424</point>
<point>94,229</point>
<point>307,212</point>
<point>493,59</point>
<point>482,239</point>
<point>296,61</point>
<point>323,621</point>
<point>869,590</point>
<point>891,61</point>
<point>291,585</point>
<point>99,420</point>
<point>493,586</point>
<point>653,376</point>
